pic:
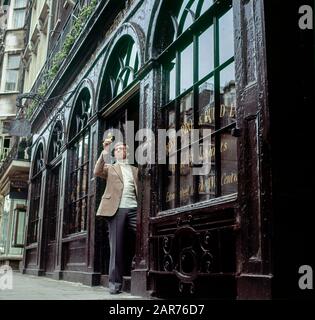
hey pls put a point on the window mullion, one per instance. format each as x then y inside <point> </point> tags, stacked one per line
<point>217,106</point>
<point>128,56</point>
<point>177,126</point>
<point>196,178</point>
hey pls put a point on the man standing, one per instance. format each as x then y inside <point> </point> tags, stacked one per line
<point>119,204</point>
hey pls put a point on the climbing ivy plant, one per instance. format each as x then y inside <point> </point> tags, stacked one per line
<point>61,55</point>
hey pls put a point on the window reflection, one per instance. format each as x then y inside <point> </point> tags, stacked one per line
<point>84,213</point>
<point>75,217</point>
<point>228,164</point>
<point>187,16</point>
<point>183,8</point>
<point>122,67</point>
<point>186,125</point>
<point>206,49</point>
<point>227,96</point>
<point>201,77</point>
<point>206,5</point>
<point>171,160</point>
<point>171,79</point>
<point>84,181</point>
<point>207,183</point>
<point>206,104</point>
<point>86,149</point>
<point>186,68</point>
<point>226,32</point>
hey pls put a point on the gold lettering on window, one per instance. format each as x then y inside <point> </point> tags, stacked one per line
<point>208,115</point>
<point>229,178</point>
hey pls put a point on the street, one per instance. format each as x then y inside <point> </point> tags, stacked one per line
<point>26,287</point>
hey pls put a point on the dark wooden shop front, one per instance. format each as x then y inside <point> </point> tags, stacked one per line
<point>173,65</point>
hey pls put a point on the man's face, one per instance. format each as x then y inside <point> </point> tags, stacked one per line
<point>120,152</point>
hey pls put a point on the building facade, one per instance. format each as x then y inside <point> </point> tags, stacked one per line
<point>14,158</point>
<point>174,66</point>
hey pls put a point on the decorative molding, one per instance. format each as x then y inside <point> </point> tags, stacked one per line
<point>27,57</point>
<point>34,39</point>
<point>66,3</point>
<point>43,18</point>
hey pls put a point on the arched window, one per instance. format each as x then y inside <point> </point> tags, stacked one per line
<point>76,213</point>
<point>53,181</point>
<point>82,113</point>
<point>56,142</point>
<point>36,184</point>
<point>121,68</point>
<point>197,58</point>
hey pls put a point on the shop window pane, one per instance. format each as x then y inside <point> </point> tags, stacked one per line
<point>206,49</point>
<point>172,158</point>
<point>127,79</point>
<point>74,160</point>
<point>206,5</point>
<point>73,186</point>
<point>52,203</point>
<point>122,68</point>
<point>83,215</point>
<point>79,182</point>
<point>186,68</point>
<point>186,125</point>
<point>84,181</point>
<point>183,8</point>
<point>171,79</point>
<point>206,104</point>
<point>207,181</point>
<point>78,216</point>
<point>226,36</point>
<point>86,101</point>
<point>186,113</point>
<point>186,19</point>
<point>80,152</point>
<point>186,179</point>
<point>86,149</point>
<point>227,96</point>
<point>133,58</point>
<point>34,205</point>
<point>119,86</point>
<point>228,164</point>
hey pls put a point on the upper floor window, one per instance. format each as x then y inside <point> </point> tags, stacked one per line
<point>19,13</point>
<point>12,72</point>
<point>199,93</point>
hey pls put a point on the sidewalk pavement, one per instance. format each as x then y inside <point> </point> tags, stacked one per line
<point>27,287</point>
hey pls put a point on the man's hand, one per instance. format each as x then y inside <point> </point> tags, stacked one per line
<point>106,144</point>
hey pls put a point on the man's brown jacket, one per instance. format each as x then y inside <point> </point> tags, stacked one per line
<point>114,186</point>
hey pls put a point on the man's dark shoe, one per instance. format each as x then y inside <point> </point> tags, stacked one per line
<point>113,291</point>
